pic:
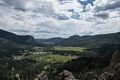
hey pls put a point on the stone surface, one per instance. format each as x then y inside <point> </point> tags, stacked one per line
<point>91,76</point>
<point>66,75</point>
<point>42,76</point>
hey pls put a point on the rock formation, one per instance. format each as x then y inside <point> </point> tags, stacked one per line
<point>42,76</point>
<point>91,76</point>
<point>66,75</point>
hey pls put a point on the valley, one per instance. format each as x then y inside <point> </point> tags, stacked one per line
<point>77,57</point>
<point>59,39</point>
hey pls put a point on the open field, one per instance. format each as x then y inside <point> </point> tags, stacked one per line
<point>49,58</point>
<point>79,49</point>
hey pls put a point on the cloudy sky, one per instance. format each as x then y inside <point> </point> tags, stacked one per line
<point>60,18</point>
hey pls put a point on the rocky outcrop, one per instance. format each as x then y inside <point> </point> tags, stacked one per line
<point>66,75</point>
<point>42,76</point>
<point>106,76</point>
<point>91,76</point>
<point>17,77</point>
<point>113,72</point>
<point>116,75</point>
<point>115,59</point>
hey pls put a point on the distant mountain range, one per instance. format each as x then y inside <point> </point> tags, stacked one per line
<point>11,43</point>
<point>51,41</point>
<point>84,41</point>
<point>75,40</point>
<point>92,41</point>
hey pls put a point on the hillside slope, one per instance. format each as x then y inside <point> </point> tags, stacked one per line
<point>92,41</point>
<point>16,38</point>
<point>12,44</point>
<point>50,41</point>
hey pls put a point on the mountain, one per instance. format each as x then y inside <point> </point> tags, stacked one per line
<point>27,39</point>
<point>92,41</point>
<point>9,48</point>
<point>12,44</point>
<point>50,41</point>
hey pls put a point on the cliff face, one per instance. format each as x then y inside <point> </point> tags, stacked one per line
<point>115,59</point>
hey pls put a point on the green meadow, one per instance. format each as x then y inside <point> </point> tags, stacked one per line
<point>79,49</point>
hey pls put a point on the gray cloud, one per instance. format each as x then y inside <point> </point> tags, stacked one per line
<point>47,32</point>
<point>43,7</point>
<point>102,15</point>
<point>18,18</point>
<point>87,33</point>
<point>90,19</point>
<point>99,23</point>
<point>17,4</point>
<point>61,17</point>
<point>106,7</point>
<point>25,31</point>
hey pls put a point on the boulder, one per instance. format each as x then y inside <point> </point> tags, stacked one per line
<point>42,76</point>
<point>66,75</point>
<point>17,76</point>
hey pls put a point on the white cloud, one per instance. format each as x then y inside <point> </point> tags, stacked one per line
<point>49,18</point>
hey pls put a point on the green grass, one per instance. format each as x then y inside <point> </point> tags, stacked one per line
<point>52,58</point>
<point>49,58</point>
<point>46,60</point>
<point>34,49</point>
<point>59,48</point>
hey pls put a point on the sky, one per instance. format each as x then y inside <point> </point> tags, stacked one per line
<point>60,18</point>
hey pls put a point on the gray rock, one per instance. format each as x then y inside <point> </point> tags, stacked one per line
<point>66,75</point>
<point>106,76</point>
<point>42,76</point>
<point>91,76</point>
<point>116,75</point>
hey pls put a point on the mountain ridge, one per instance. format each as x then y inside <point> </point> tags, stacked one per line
<point>112,38</point>
<point>75,40</point>
<point>84,41</point>
<point>25,39</point>
<point>12,44</point>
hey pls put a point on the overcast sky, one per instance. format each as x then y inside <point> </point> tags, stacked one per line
<point>60,18</point>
